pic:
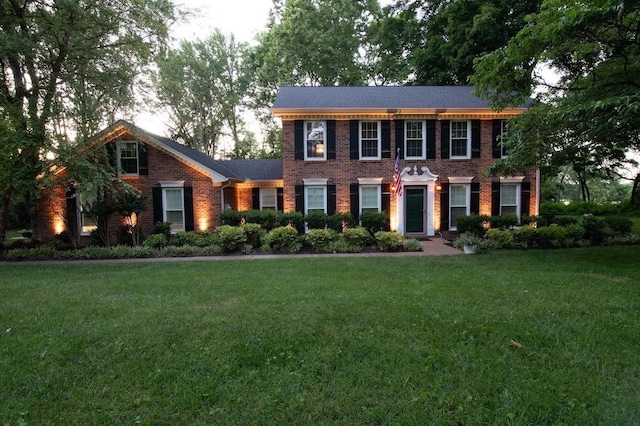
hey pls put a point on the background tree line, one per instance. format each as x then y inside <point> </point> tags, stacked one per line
<point>70,67</point>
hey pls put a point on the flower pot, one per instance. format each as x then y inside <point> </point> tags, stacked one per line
<point>469,249</point>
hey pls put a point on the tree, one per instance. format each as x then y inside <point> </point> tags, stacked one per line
<point>57,55</point>
<point>435,42</point>
<point>130,202</point>
<point>593,48</point>
<point>203,85</point>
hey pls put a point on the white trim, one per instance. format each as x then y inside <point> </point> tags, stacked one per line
<point>119,157</point>
<point>511,179</point>
<point>467,188</point>
<point>172,186</point>
<point>370,181</point>
<point>315,182</point>
<point>172,183</point>
<point>460,179</point>
<point>262,192</point>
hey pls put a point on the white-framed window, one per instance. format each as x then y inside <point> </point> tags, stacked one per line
<point>370,198</point>
<point>173,205</point>
<point>460,139</point>
<point>315,140</point>
<point>459,202</point>
<point>315,199</point>
<point>370,140</point>
<point>87,223</point>
<point>510,198</point>
<point>415,142</point>
<point>503,135</point>
<point>128,157</point>
<point>268,199</point>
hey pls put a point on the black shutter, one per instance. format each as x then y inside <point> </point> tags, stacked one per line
<point>525,199</point>
<point>298,139</point>
<point>400,137</point>
<point>255,198</point>
<point>354,196</point>
<point>385,126</point>
<point>431,139</point>
<point>280,198</point>
<point>300,198</point>
<point>112,155</point>
<point>331,139</point>
<point>143,159</point>
<point>354,150</point>
<point>386,203</point>
<point>444,208</point>
<point>476,136</point>
<point>331,199</point>
<point>495,145</point>
<point>495,198</point>
<point>475,198</point>
<point>188,209</point>
<point>445,129</point>
<point>72,211</point>
<point>156,201</point>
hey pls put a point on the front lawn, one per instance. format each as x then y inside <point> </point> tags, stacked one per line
<point>508,337</point>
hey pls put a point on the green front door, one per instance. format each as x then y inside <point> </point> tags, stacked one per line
<point>415,208</point>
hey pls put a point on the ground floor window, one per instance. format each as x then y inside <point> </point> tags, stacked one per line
<point>370,198</point>
<point>510,198</point>
<point>173,207</point>
<point>268,199</point>
<point>315,199</point>
<point>86,201</point>
<point>459,201</point>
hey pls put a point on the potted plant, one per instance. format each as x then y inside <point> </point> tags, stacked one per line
<point>469,243</point>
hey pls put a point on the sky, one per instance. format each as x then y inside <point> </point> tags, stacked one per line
<point>242,18</point>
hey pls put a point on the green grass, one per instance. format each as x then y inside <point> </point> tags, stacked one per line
<point>381,340</point>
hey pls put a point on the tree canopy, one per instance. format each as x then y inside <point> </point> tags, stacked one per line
<point>588,117</point>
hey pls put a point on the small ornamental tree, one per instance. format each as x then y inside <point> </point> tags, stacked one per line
<point>130,203</point>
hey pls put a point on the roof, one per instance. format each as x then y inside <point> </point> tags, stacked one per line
<point>221,170</point>
<point>377,98</point>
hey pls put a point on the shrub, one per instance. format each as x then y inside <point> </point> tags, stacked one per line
<point>254,233</point>
<point>340,221</point>
<point>230,237</point>
<point>620,226</point>
<point>413,245</point>
<point>531,220</point>
<point>473,223</point>
<point>184,238</point>
<point>293,219</point>
<point>525,236</point>
<point>155,241</point>
<point>162,228</point>
<point>504,221</point>
<point>231,217</point>
<point>283,239</point>
<point>341,246</point>
<point>320,240</point>
<point>316,220</point>
<point>563,220</point>
<point>500,239</point>
<point>123,236</point>
<point>357,236</point>
<point>389,241</point>
<point>552,236</point>
<point>268,219</point>
<point>374,221</point>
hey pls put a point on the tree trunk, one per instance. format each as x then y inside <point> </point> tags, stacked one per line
<point>635,192</point>
<point>4,213</point>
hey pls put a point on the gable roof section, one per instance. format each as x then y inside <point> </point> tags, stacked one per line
<point>218,170</point>
<point>378,99</point>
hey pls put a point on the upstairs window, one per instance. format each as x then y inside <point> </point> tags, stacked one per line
<point>460,139</point>
<point>415,141</point>
<point>315,140</point>
<point>370,140</point>
<point>503,135</point>
<point>128,157</point>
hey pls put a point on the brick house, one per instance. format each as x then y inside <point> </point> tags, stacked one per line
<point>183,186</point>
<point>340,146</point>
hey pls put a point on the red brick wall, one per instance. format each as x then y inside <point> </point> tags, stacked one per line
<point>162,167</point>
<point>343,171</point>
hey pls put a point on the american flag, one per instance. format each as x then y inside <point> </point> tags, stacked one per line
<point>396,176</point>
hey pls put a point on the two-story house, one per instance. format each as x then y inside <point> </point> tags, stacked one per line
<point>341,146</point>
<point>418,153</point>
